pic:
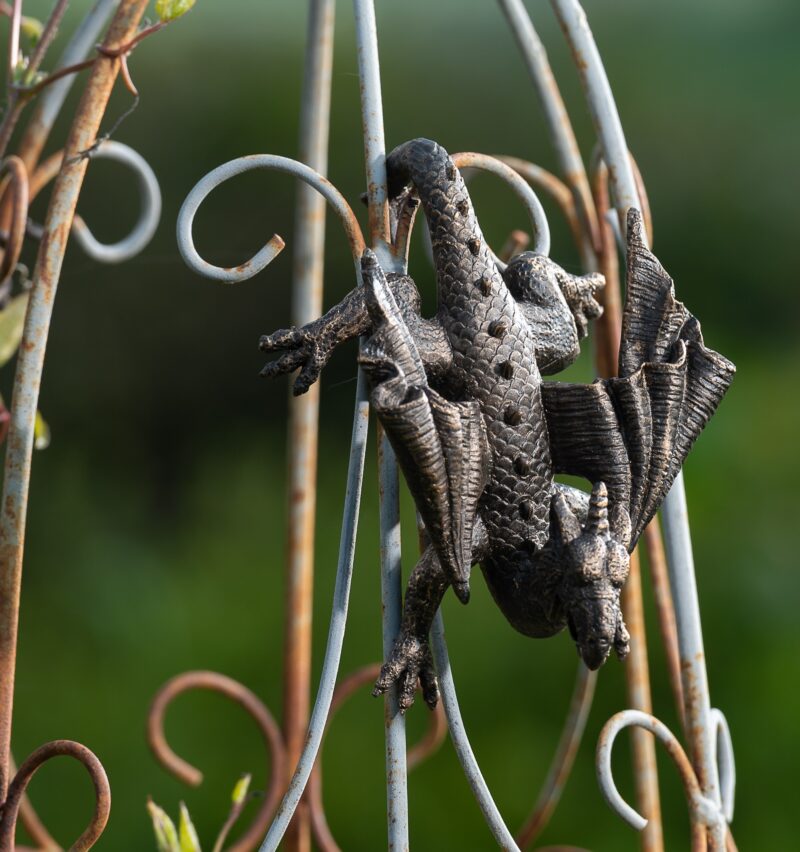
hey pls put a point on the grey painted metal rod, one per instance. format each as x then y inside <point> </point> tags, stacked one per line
<point>341,598</point>
<point>391,577</point>
<point>700,723</point>
<point>602,106</point>
<point>562,136</point>
<point>461,744</point>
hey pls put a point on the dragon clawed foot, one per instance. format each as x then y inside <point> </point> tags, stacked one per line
<point>304,348</point>
<point>580,293</point>
<point>409,662</point>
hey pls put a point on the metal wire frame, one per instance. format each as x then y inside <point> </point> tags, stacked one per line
<point>27,381</point>
<point>605,116</point>
<point>703,726</point>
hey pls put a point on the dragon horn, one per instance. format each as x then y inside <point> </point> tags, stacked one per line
<point>597,521</point>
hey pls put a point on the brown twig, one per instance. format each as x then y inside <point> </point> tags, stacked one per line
<point>219,683</point>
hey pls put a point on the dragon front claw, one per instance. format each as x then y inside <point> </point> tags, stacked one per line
<point>303,349</point>
<point>409,662</point>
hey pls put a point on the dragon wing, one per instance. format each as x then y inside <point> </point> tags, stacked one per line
<point>634,432</point>
<point>441,446</point>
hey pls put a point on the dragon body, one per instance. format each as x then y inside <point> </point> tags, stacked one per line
<point>480,437</point>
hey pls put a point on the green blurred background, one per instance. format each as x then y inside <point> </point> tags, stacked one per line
<point>157,516</point>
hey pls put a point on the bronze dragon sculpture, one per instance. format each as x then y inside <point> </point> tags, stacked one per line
<point>480,437</point>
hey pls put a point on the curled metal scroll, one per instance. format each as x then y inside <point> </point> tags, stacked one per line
<point>703,810</point>
<point>430,743</point>
<point>150,204</point>
<point>149,215</point>
<point>486,163</point>
<point>268,727</point>
<point>265,255</point>
<point>19,784</point>
<point>408,205</point>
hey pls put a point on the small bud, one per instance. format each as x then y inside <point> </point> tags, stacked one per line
<point>241,789</point>
<point>164,828</point>
<point>171,10</point>
<point>190,842</point>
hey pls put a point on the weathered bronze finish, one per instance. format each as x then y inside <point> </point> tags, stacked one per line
<point>480,437</point>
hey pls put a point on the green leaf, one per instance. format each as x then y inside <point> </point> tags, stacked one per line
<point>164,828</point>
<point>41,432</point>
<point>171,10</point>
<point>241,788</point>
<point>12,321</point>
<point>190,842</point>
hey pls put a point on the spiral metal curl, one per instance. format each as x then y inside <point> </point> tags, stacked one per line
<point>19,784</point>
<point>184,771</point>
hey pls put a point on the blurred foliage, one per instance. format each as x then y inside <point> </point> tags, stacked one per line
<point>157,516</point>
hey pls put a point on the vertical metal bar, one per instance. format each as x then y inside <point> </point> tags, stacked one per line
<point>701,733</point>
<point>562,135</point>
<point>341,598</point>
<point>674,513</point>
<point>637,675</point>
<point>601,105</point>
<point>309,261</point>
<point>372,122</point>
<point>28,374</point>
<point>391,598</point>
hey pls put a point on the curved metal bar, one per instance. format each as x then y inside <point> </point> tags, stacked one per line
<point>341,597</point>
<point>562,135</point>
<point>31,821</point>
<point>726,763</point>
<point>564,758</point>
<point>149,190</point>
<point>149,215</point>
<point>48,104</point>
<point>15,181</point>
<point>601,105</point>
<point>547,182</point>
<point>431,741</point>
<point>219,683</point>
<point>262,258</point>
<point>28,375</point>
<point>461,742</point>
<point>703,810</point>
<point>19,783</point>
<point>487,163</point>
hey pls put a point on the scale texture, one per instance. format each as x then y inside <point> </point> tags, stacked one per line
<point>480,436</point>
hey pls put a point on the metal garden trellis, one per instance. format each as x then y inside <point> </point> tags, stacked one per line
<point>709,777</point>
<point>24,181</point>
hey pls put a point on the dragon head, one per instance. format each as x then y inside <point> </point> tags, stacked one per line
<point>597,564</point>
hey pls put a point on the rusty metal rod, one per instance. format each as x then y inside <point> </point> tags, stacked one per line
<point>637,675</point>
<point>307,287</point>
<point>27,379</point>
